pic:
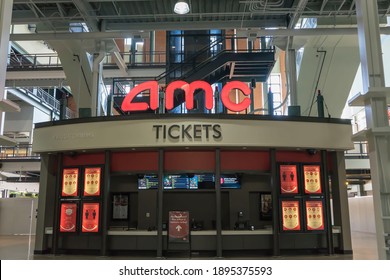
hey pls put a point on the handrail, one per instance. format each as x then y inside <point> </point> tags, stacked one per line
<point>191,61</point>
<point>52,60</point>
<point>191,58</point>
<point>20,151</point>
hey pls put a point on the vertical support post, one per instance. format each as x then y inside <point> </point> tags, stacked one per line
<point>160,203</point>
<point>375,100</point>
<point>56,222</point>
<point>152,46</point>
<point>5,23</point>
<point>329,231</point>
<point>275,203</point>
<point>218,201</point>
<point>340,202</point>
<point>106,194</point>
<point>270,102</point>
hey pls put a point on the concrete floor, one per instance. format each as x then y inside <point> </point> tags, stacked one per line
<point>16,247</point>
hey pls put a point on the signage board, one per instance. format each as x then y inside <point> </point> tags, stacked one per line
<point>288,179</point>
<point>189,90</point>
<point>68,217</point>
<point>90,221</point>
<point>179,226</point>
<point>92,181</point>
<point>314,215</point>
<point>312,179</point>
<point>291,215</point>
<point>70,178</point>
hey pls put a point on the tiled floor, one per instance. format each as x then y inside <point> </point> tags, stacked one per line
<point>17,248</point>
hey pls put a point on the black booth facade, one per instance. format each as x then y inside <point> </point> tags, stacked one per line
<point>272,185</point>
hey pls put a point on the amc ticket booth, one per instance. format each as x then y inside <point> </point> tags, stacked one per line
<point>212,183</point>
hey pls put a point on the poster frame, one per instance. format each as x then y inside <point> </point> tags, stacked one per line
<point>321,192</point>
<point>78,182</point>
<point>324,220</point>
<point>120,195</point>
<point>82,217</point>
<point>83,193</point>
<point>300,216</point>
<point>265,215</point>
<point>77,217</point>
<point>297,176</point>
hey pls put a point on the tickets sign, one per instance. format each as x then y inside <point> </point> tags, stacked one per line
<point>90,221</point>
<point>70,182</point>
<point>312,179</point>
<point>92,181</point>
<point>288,179</point>
<point>179,226</point>
<point>314,215</point>
<point>68,217</point>
<point>290,215</point>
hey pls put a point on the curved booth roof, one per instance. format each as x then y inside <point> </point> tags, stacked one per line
<point>198,131</point>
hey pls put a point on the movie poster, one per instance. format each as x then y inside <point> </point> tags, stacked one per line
<point>312,179</point>
<point>90,221</point>
<point>288,179</point>
<point>92,181</point>
<point>290,215</point>
<point>314,215</point>
<point>68,217</point>
<point>70,178</point>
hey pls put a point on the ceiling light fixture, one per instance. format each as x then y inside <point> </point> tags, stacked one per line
<point>181,7</point>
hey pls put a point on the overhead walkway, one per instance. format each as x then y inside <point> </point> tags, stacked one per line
<point>46,70</point>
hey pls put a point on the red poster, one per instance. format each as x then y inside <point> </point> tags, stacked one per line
<point>90,217</point>
<point>92,181</point>
<point>291,218</point>
<point>70,182</point>
<point>314,215</point>
<point>288,179</point>
<point>311,175</point>
<point>68,217</point>
<point>179,226</point>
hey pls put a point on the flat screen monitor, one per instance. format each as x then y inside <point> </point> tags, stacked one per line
<point>148,181</point>
<point>230,181</point>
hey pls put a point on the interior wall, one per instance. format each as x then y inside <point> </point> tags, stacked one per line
<point>361,211</point>
<point>15,215</point>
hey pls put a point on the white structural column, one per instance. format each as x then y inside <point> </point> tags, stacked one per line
<point>5,23</point>
<point>375,99</point>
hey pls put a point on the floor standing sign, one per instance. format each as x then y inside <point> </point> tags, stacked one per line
<point>179,227</point>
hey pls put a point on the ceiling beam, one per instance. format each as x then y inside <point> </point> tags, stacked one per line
<point>130,34</point>
<point>323,6</point>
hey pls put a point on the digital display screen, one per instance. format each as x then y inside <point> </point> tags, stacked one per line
<point>230,182</point>
<point>182,181</point>
<point>189,181</point>
<point>148,182</point>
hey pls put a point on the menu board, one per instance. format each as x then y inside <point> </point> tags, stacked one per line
<point>70,178</point>
<point>288,179</point>
<point>181,181</point>
<point>90,221</point>
<point>92,181</point>
<point>68,217</point>
<point>148,182</point>
<point>312,179</point>
<point>179,226</point>
<point>290,215</point>
<point>314,215</point>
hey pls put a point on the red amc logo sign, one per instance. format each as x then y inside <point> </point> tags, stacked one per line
<point>189,89</point>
